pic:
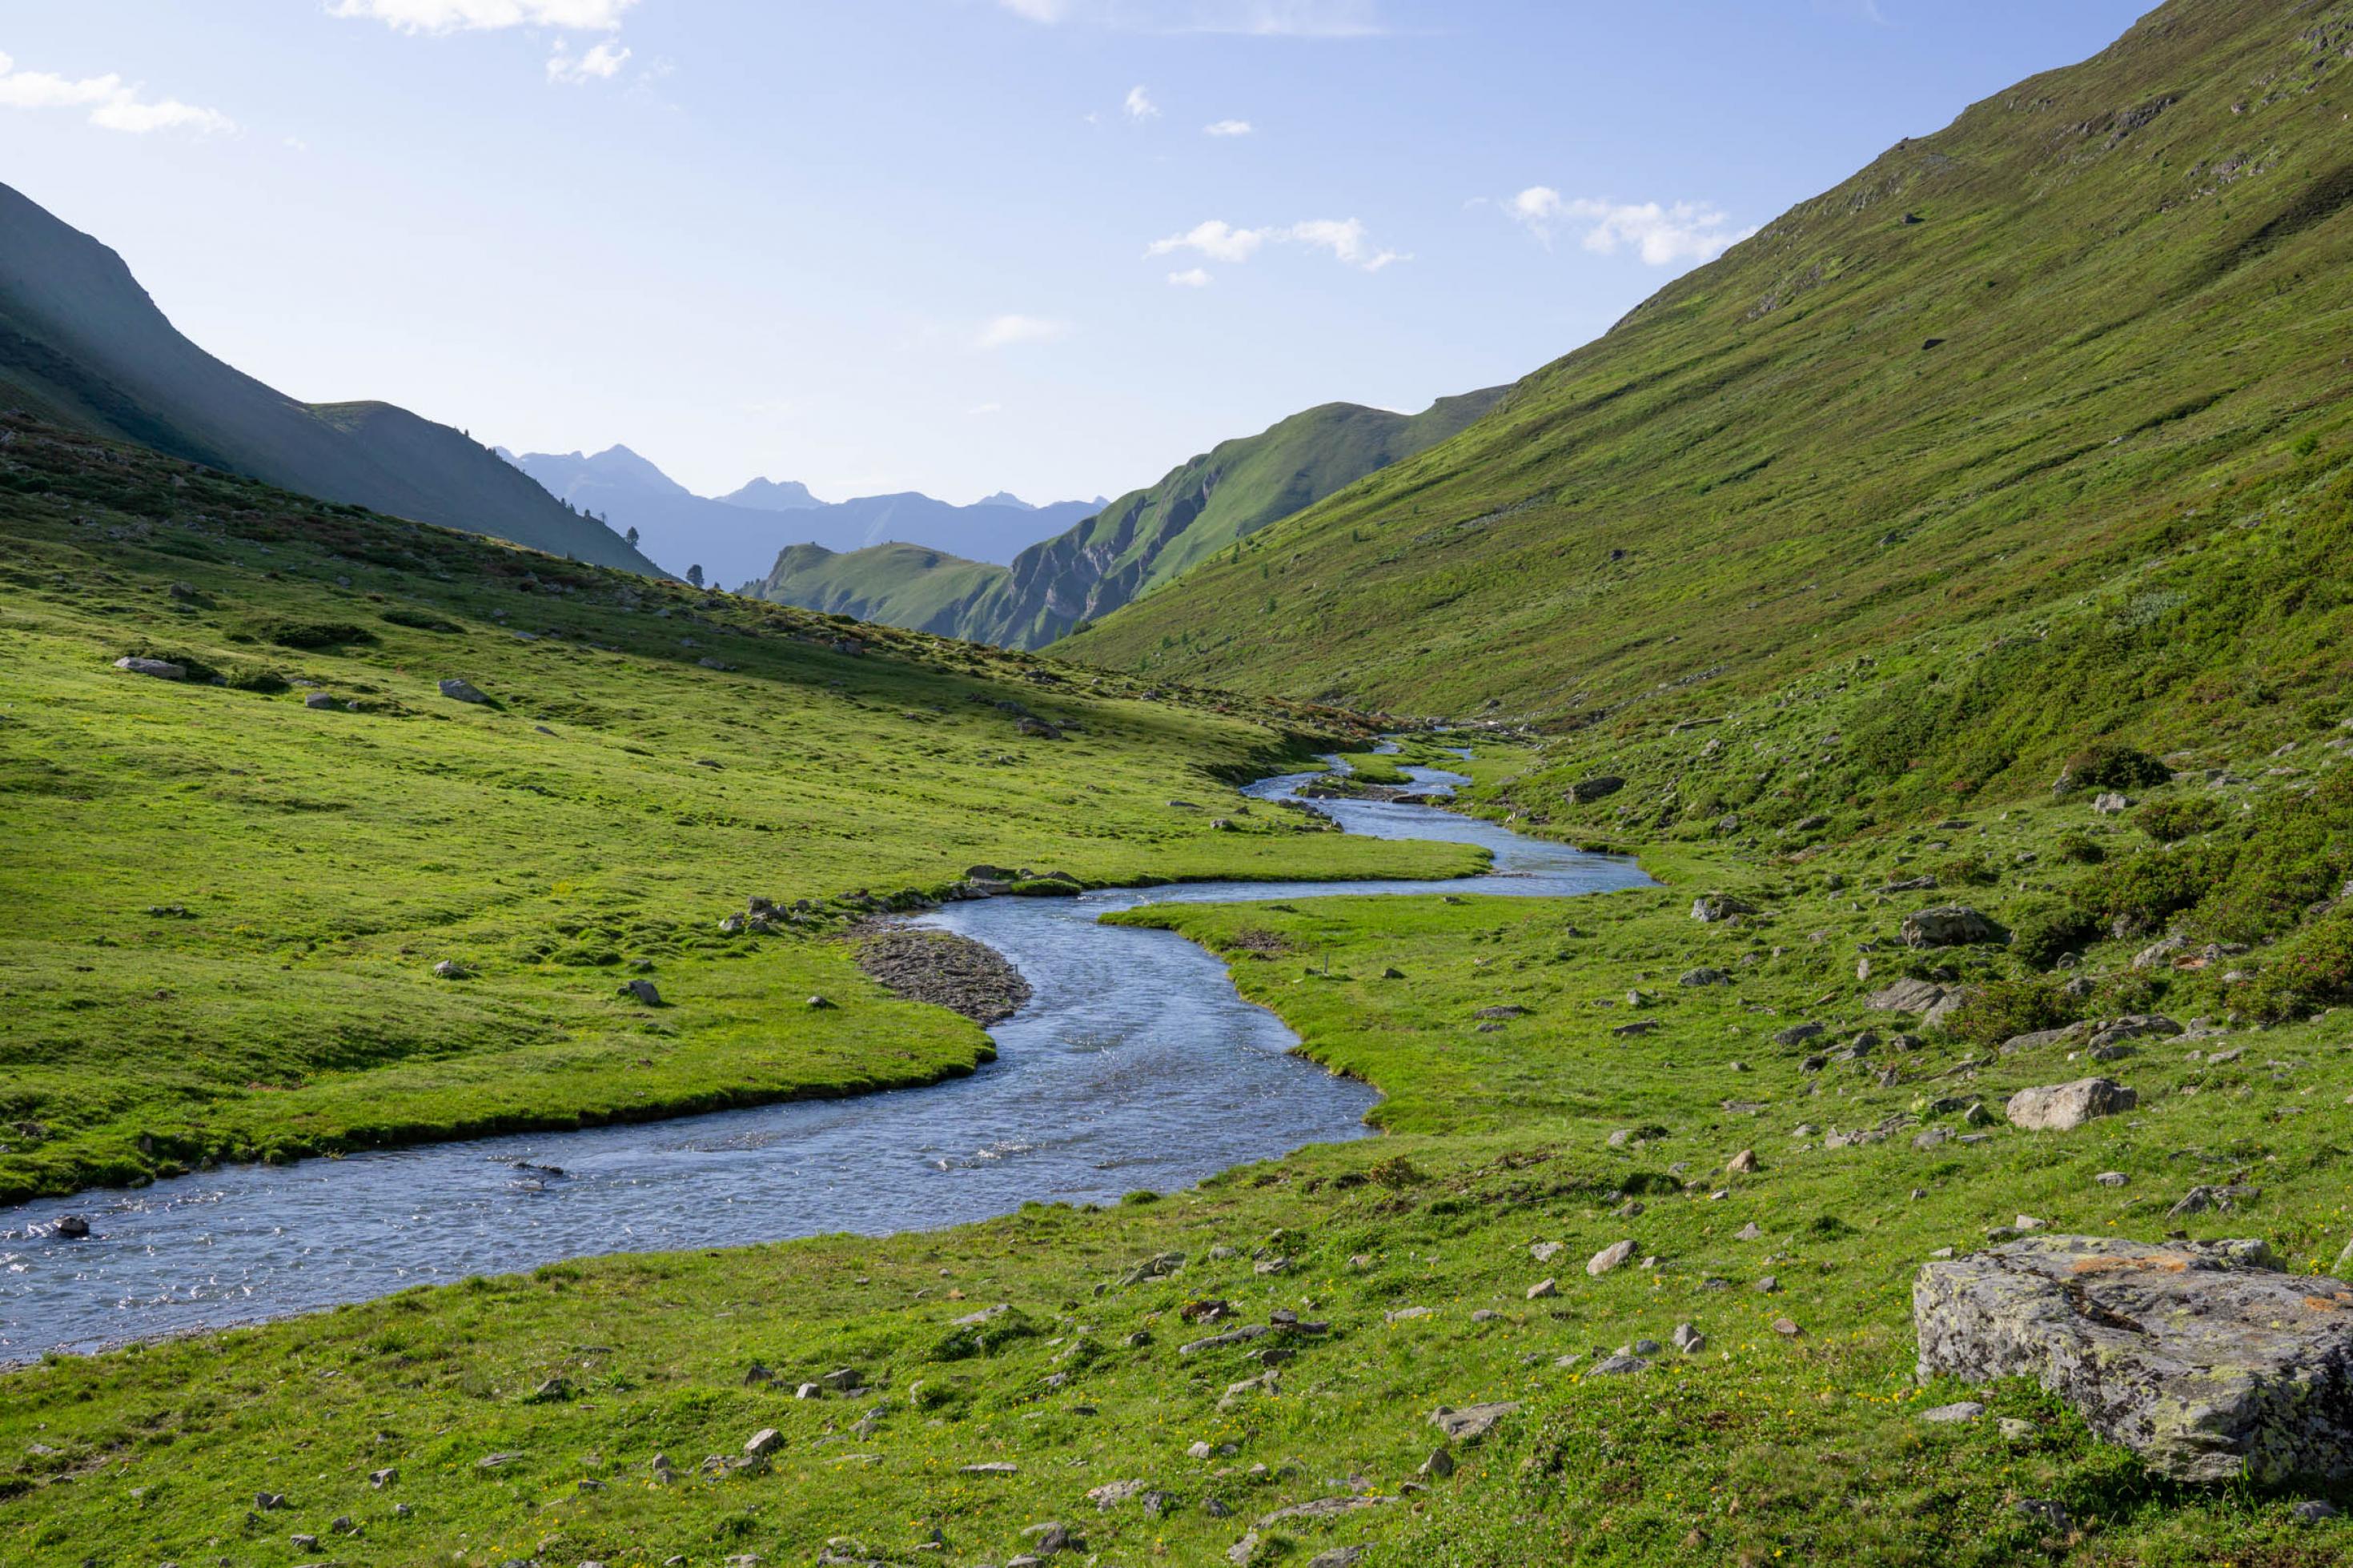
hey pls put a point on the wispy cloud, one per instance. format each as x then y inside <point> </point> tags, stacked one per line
<point>113,104</point>
<point>1192,278</point>
<point>1255,18</point>
<point>1139,104</point>
<point>983,410</point>
<point>1662,234</point>
<point>602,62</point>
<point>1228,128</point>
<point>1220,241</point>
<point>460,16</point>
<point>1008,331</point>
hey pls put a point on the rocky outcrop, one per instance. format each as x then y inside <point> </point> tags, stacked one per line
<point>945,969</point>
<point>1950,925</point>
<point>2210,1364</point>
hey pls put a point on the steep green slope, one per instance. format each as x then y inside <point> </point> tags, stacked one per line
<point>896,584</point>
<point>82,345</point>
<point>2002,364</point>
<point>226,905</point>
<point>1147,537</point>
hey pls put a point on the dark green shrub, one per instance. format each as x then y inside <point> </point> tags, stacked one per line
<point>2107,766</point>
<point>2309,971</point>
<point>2045,927</point>
<point>2081,847</point>
<point>1967,870</point>
<point>1992,1012</point>
<point>2140,894</point>
<point>314,634</point>
<point>2171,821</point>
<point>417,620</point>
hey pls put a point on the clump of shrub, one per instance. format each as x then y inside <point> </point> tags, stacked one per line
<point>1967,870</point>
<point>2171,821</point>
<point>2139,894</point>
<point>2046,927</point>
<point>2309,971</point>
<point>2104,764</point>
<point>1994,1012</point>
<point>417,620</point>
<point>313,634</point>
<point>2080,847</point>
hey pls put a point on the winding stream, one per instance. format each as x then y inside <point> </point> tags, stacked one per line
<point>1135,1064</point>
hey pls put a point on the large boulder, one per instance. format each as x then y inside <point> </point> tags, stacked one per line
<point>160,668</point>
<point>1906,996</point>
<point>1949,925</point>
<point>2210,1364</point>
<point>2063,1107</point>
<point>457,690</point>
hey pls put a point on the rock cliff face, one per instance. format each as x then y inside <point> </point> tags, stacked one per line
<point>2209,1362</point>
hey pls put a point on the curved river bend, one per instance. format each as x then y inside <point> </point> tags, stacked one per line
<point>1135,1064</point>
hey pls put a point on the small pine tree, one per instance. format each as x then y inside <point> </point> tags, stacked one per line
<point>694,576</point>
<point>632,537</point>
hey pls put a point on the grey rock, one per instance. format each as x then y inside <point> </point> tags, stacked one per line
<point>1703,977</point>
<point>2062,1107</point>
<point>2199,1199</point>
<point>321,699</point>
<point>1593,789</point>
<point>1471,1421</point>
<point>2111,1178</point>
<point>2209,1363</point>
<point>1949,925</point>
<point>457,690</point>
<point>1966,1410</point>
<point>1799,1034</point>
<point>1906,996</point>
<point>1714,906</point>
<point>643,989</point>
<point>1619,1366</point>
<point>1688,1339</point>
<point>160,669</point>
<point>1608,1258</point>
<point>2312,1511</point>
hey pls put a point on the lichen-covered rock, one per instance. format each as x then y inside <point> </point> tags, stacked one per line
<point>1714,906</point>
<point>1906,996</point>
<point>2063,1107</point>
<point>2209,1363</point>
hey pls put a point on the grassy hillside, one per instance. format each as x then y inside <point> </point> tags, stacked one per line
<point>1143,539</point>
<point>2006,362</point>
<point>224,946</point>
<point>82,344</point>
<point>1793,1434</point>
<point>898,585</point>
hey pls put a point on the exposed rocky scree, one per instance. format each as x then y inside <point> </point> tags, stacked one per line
<point>2209,1364</point>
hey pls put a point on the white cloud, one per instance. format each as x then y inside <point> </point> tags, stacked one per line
<point>113,105</point>
<point>601,63</point>
<point>1139,104</point>
<point>457,16</point>
<point>1193,277</point>
<point>1660,235</point>
<point>1220,241</point>
<point>1228,128</point>
<point>982,410</point>
<point>1256,18</point>
<point>1006,331</point>
<point>1217,240</point>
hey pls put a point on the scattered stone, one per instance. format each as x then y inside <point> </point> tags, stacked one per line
<point>1949,925</point>
<point>990,1468</point>
<point>1543,1289</point>
<point>159,669</point>
<point>2060,1108</point>
<point>1440,1465</point>
<point>2111,1178</point>
<point>1714,906</point>
<point>1471,1421</point>
<point>2199,1199</point>
<point>321,699</point>
<point>1585,790</point>
<point>1799,1034</point>
<point>643,989</point>
<point>72,1227</point>
<point>1752,1231</point>
<point>1966,1410</point>
<point>1742,1164</point>
<point>767,1440</point>
<point>457,690</point>
<point>1608,1258</point>
<point>2013,1430</point>
<point>2209,1362</point>
<point>1545,1251</point>
<point>1906,996</point>
<point>1688,1339</point>
<point>1619,1366</point>
<point>2312,1511</point>
<point>1703,977</point>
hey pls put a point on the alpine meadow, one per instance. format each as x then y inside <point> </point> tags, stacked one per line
<point>1738,951</point>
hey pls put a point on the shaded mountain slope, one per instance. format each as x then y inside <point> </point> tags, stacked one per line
<point>81,343</point>
<point>1987,371</point>
<point>909,585</point>
<point>1148,536</point>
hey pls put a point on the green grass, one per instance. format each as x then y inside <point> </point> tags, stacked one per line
<point>1762,471</point>
<point>896,584</point>
<point>1763,1448</point>
<point>620,798</point>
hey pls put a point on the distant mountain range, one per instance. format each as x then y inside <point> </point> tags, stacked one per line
<point>83,345</point>
<point>735,538</point>
<point>1120,552</point>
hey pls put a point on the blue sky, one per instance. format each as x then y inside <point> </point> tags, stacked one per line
<point>1054,246</point>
